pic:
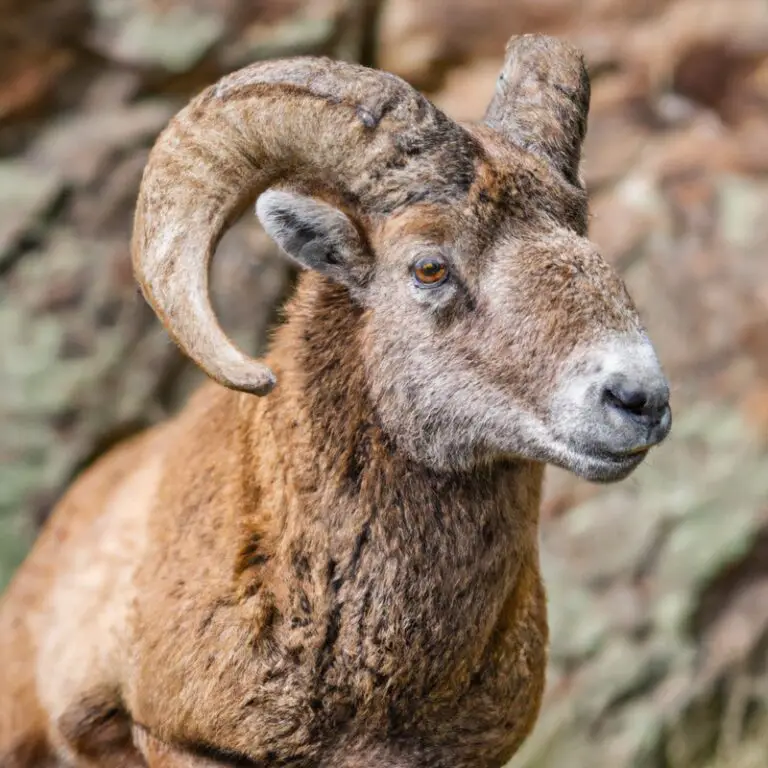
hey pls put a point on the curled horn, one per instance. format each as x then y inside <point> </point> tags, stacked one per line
<point>542,100</point>
<point>361,137</point>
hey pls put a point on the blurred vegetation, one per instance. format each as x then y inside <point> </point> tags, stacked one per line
<point>659,586</point>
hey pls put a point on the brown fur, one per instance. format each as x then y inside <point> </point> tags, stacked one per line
<point>344,573</point>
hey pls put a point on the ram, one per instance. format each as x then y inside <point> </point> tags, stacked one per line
<point>343,573</point>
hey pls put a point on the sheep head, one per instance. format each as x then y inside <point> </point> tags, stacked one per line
<point>492,327</point>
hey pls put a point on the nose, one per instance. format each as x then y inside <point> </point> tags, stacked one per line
<point>644,403</point>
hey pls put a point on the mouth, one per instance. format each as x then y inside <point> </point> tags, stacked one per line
<point>603,467</point>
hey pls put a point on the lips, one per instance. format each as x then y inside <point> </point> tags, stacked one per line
<point>623,459</point>
<point>640,450</point>
<point>609,467</point>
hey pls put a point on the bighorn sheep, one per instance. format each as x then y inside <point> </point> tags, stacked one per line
<point>343,573</point>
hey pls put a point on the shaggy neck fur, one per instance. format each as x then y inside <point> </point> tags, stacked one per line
<point>323,403</point>
<point>398,588</point>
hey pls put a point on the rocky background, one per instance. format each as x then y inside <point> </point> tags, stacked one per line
<point>658,586</point>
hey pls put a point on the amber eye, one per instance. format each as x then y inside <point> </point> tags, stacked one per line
<point>430,271</point>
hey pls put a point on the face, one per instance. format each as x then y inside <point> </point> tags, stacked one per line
<point>508,335</point>
<point>493,328</point>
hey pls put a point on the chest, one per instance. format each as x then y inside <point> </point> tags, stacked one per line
<point>411,631</point>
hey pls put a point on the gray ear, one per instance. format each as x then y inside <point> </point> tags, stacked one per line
<point>315,235</point>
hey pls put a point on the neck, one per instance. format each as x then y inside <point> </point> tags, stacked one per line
<point>388,569</point>
<point>363,507</point>
<point>321,408</point>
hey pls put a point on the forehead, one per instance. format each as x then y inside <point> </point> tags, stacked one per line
<point>516,187</point>
<point>513,192</point>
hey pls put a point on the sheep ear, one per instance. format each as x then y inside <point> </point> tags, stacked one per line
<point>315,235</point>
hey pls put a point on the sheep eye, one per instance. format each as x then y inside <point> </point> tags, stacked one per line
<point>430,271</point>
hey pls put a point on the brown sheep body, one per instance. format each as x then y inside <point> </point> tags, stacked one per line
<point>344,572</point>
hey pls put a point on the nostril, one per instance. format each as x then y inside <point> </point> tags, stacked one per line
<point>628,398</point>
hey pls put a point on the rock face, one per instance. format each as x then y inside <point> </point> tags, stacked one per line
<point>658,587</point>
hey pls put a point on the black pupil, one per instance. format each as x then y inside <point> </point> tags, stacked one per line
<point>431,268</point>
